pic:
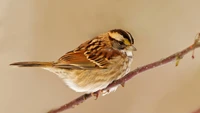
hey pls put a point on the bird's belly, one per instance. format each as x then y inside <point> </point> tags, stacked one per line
<point>88,80</point>
<point>92,80</point>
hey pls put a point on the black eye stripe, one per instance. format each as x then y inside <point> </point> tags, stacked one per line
<point>125,34</point>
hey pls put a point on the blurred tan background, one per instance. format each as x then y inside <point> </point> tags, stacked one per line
<point>44,30</point>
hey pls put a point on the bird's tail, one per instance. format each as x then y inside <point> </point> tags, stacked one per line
<point>33,64</point>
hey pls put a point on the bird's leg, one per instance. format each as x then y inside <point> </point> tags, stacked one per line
<point>96,94</point>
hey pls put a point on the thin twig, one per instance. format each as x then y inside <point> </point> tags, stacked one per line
<point>131,74</point>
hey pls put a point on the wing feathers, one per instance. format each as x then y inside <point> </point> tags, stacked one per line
<point>91,54</point>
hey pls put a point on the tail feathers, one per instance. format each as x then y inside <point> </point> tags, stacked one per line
<point>32,64</point>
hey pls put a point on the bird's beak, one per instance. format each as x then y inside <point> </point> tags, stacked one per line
<point>132,48</point>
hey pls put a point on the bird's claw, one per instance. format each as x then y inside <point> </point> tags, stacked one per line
<point>96,94</point>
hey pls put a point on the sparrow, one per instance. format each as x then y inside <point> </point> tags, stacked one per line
<point>94,64</point>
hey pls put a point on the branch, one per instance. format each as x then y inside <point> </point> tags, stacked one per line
<point>177,56</point>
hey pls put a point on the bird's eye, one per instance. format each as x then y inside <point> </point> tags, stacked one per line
<point>121,45</point>
<point>121,42</point>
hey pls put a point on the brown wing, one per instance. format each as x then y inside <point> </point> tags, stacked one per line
<point>73,60</point>
<point>102,57</point>
<point>92,54</point>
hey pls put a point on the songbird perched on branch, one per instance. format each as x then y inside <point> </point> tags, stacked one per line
<point>94,64</point>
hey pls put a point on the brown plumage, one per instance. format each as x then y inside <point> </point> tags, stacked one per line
<point>94,64</point>
<point>33,64</point>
